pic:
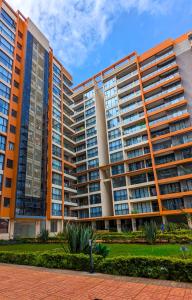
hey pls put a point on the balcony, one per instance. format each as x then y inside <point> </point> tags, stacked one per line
<point>159,107</point>
<point>159,70</point>
<point>128,87</point>
<point>128,76</point>
<point>168,117</point>
<point>159,82</point>
<point>162,93</point>
<point>131,107</point>
<point>130,97</point>
<point>156,60</point>
<point>133,118</point>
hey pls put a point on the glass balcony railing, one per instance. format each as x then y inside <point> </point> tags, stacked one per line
<point>168,117</point>
<point>163,92</point>
<point>127,76</point>
<point>166,104</point>
<point>131,107</point>
<point>130,96</point>
<point>159,70</point>
<point>128,86</point>
<point>155,60</point>
<point>161,81</point>
<point>132,118</point>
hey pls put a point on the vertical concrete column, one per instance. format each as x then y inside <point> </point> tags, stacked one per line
<point>134,224</point>
<point>37,228</point>
<point>118,225</point>
<point>11,229</point>
<point>164,220</point>
<point>93,225</point>
<point>106,224</point>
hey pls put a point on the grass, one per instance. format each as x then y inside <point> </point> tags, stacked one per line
<point>115,249</point>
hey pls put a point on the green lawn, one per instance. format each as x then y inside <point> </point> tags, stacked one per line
<point>115,249</point>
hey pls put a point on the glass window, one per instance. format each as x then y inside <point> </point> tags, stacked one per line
<point>8,20</point>
<point>6,45</point>
<point>138,179</point>
<point>89,94</point>
<point>111,102</point>
<point>91,131</point>
<point>4,107</point>
<point>56,164</point>
<point>136,166</point>
<point>4,90</point>
<point>95,199</point>
<point>119,182</point>
<point>56,138</point>
<point>1,181</point>
<point>121,209</point>
<point>142,207</point>
<point>89,103</point>
<point>173,204</point>
<point>56,151</point>
<point>113,123</point>
<point>116,156</point>
<point>90,122</point>
<point>56,70</point>
<point>5,75</point>
<point>114,134</point>
<point>94,187</point>
<point>120,195</point>
<point>2,143</point>
<point>6,60</point>
<point>115,145</point>
<point>93,175</point>
<point>2,159</point>
<point>92,152</point>
<point>91,142</point>
<point>57,194</point>
<point>56,209</point>
<point>110,93</point>
<point>93,163</point>
<point>112,112</point>
<point>139,193</point>
<point>56,179</point>
<point>11,146</point>
<point>109,83</point>
<point>56,90</point>
<point>7,32</point>
<point>96,211</point>
<point>3,124</point>
<point>119,169</point>
<point>90,112</point>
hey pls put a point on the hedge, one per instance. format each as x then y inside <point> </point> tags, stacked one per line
<point>149,267</point>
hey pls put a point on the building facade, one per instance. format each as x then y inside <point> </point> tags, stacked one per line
<point>113,152</point>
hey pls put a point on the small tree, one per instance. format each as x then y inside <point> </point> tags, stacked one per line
<point>44,235</point>
<point>150,232</point>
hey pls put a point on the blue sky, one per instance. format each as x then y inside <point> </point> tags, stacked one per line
<point>89,35</point>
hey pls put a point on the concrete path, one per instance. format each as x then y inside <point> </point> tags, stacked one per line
<point>20,282</point>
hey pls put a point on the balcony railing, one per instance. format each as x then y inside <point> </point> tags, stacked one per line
<point>128,86</point>
<point>161,81</point>
<point>132,118</point>
<point>131,107</point>
<point>157,59</point>
<point>166,104</point>
<point>163,92</point>
<point>127,76</point>
<point>130,96</point>
<point>168,117</point>
<point>159,70</point>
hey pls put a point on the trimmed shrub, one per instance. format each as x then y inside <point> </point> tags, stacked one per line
<point>161,268</point>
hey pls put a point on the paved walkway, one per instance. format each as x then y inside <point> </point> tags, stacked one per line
<point>19,282</point>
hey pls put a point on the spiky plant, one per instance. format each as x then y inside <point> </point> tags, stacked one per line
<point>150,232</point>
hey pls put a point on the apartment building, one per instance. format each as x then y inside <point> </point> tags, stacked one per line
<point>147,111</point>
<point>113,152</point>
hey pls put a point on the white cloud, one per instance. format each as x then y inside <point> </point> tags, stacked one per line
<point>75,27</point>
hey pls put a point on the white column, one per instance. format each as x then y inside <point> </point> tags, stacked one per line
<point>164,220</point>
<point>11,229</point>
<point>118,225</point>
<point>93,225</point>
<point>134,225</point>
<point>106,224</point>
<point>37,228</point>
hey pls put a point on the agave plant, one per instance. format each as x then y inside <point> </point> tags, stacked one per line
<point>78,237</point>
<point>150,232</point>
<point>44,235</point>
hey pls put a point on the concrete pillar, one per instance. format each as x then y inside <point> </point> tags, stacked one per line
<point>134,224</point>
<point>106,224</point>
<point>11,229</point>
<point>37,228</point>
<point>60,226</point>
<point>48,225</point>
<point>118,225</point>
<point>93,225</point>
<point>164,220</point>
